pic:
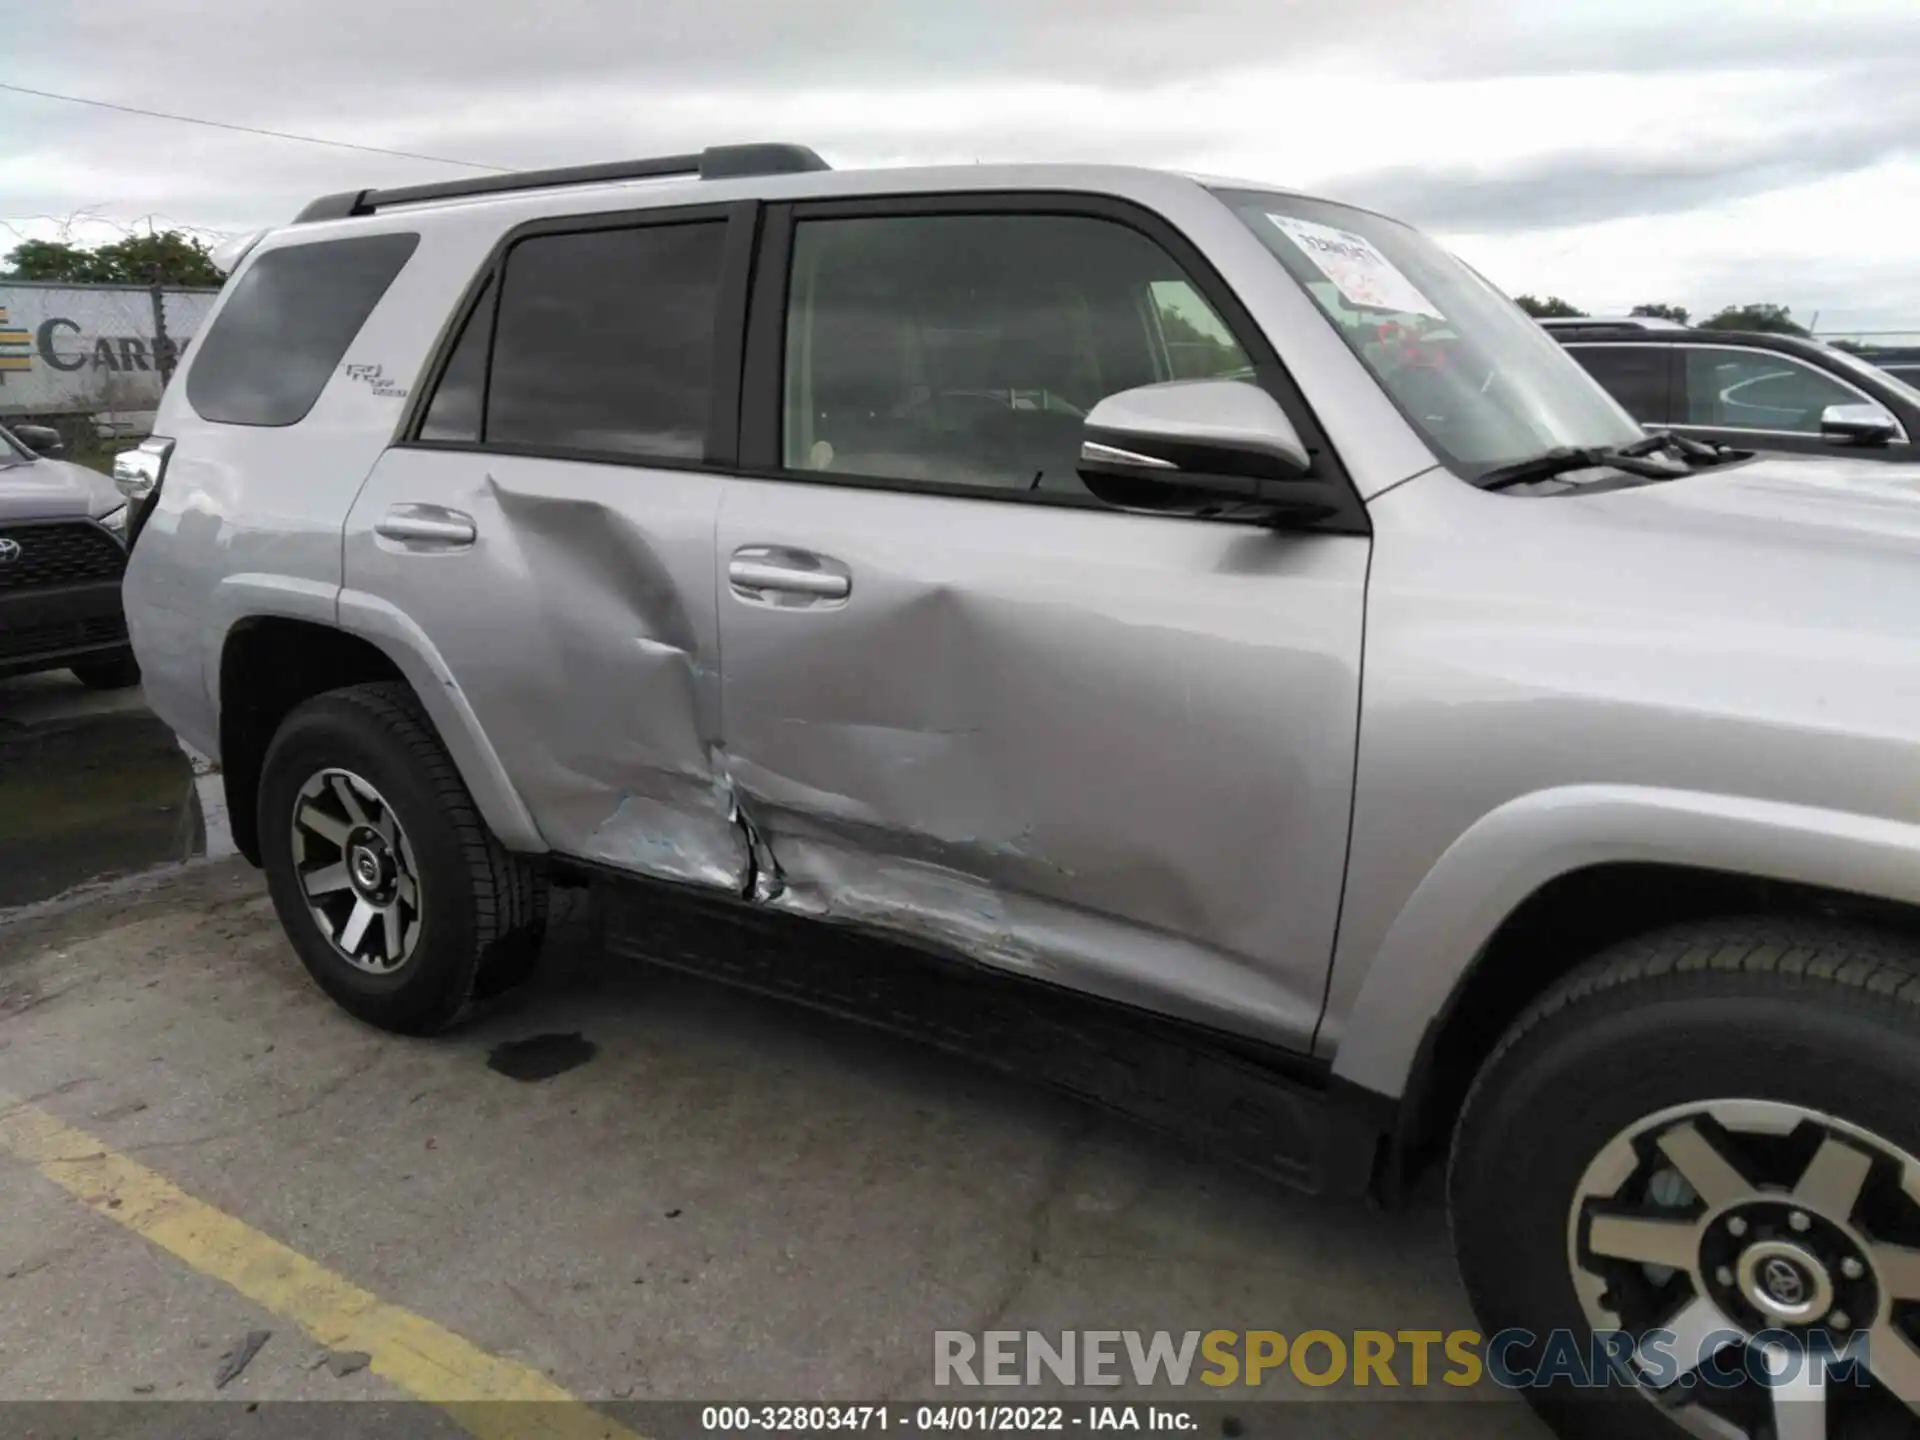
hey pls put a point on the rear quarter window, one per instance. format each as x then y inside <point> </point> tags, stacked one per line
<point>290,319</point>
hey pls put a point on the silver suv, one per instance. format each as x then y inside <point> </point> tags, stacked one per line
<point>1217,605</point>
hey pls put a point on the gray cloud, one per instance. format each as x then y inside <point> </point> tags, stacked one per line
<point>1856,123</point>
<point>1668,39</point>
<point>569,80</point>
<point>348,53</point>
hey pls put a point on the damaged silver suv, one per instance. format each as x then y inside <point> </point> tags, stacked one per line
<point>1213,607</point>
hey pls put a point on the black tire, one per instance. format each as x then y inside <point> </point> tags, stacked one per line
<point>483,910</point>
<point>109,674</point>
<point>1803,1013</point>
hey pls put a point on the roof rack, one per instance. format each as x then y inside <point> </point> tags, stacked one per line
<point>716,162</point>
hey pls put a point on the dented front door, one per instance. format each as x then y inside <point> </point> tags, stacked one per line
<point>1109,750</point>
<point>965,703</point>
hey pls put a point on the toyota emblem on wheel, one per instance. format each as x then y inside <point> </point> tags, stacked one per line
<point>9,551</point>
<point>1784,1281</point>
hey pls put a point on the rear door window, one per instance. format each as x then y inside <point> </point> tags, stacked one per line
<point>1635,375</point>
<point>604,343</point>
<point>281,334</point>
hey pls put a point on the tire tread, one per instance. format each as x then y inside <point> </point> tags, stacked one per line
<point>509,892</point>
<point>1810,953</point>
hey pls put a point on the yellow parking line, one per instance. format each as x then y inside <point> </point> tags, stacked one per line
<point>422,1358</point>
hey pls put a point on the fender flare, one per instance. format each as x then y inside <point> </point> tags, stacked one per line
<point>402,641</point>
<point>248,596</point>
<point>1509,853</point>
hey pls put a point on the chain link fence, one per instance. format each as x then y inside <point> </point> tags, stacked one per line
<point>91,360</point>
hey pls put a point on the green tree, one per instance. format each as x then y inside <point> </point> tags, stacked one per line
<point>1551,308</point>
<point>1676,313</point>
<point>53,260</point>
<point>166,257</point>
<point>1771,319</point>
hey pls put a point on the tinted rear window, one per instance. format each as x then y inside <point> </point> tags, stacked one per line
<point>286,326</point>
<point>604,342</point>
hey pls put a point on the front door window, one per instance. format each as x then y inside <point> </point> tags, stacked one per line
<point>967,349</point>
<point>1757,390</point>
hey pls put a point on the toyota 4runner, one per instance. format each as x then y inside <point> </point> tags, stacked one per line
<point>1217,605</point>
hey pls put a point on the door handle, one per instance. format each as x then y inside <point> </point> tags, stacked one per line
<point>757,571</point>
<point>430,525</point>
<point>754,575</point>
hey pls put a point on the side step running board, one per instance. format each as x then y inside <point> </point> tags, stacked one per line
<point>1266,1113</point>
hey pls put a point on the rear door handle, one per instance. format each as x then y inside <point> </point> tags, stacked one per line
<point>427,527</point>
<point>773,575</point>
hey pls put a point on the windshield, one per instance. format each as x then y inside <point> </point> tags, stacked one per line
<point>1480,380</point>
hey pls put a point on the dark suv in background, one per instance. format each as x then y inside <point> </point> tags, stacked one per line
<point>63,552</point>
<point>1750,390</point>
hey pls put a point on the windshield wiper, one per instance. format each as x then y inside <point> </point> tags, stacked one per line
<point>1694,452</point>
<point>1635,458</point>
<point>1563,459</point>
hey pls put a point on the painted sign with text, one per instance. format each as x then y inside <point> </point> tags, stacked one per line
<point>89,349</point>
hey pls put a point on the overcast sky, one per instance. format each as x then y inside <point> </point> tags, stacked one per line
<point>1702,152</point>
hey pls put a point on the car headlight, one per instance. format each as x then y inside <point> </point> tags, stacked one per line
<point>116,521</point>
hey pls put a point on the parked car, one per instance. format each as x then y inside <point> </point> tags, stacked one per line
<point>62,552</point>
<point>1210,600</point>
<point>1740,388</point>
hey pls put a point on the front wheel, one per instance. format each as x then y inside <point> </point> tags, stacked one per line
<point>398,901</point>
<point>1686,1189</point>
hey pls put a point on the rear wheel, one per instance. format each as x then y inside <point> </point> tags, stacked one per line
<point>1704,1149</point>
<point>398,901</point>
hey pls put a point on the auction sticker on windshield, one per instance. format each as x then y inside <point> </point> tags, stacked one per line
<point>1364,276</point>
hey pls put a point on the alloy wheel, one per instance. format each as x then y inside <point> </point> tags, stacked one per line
<point>1772,1253</point>
<point>356,869</point>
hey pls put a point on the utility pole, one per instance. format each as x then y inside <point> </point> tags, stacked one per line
<point>162,346</point>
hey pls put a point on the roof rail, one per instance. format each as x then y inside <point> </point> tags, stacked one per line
<point>716,162</point>
<point>1610,322</point>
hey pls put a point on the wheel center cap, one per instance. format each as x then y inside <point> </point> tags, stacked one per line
<point>370,867</point>
<point>1785,1282</point>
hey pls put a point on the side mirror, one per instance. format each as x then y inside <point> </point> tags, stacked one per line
<point>1859,424</point>
<point>1206,448</point>
<point>41,439</point>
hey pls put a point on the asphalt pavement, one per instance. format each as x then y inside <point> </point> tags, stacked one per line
<point>624,1185</point>
<point>92,786</point>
